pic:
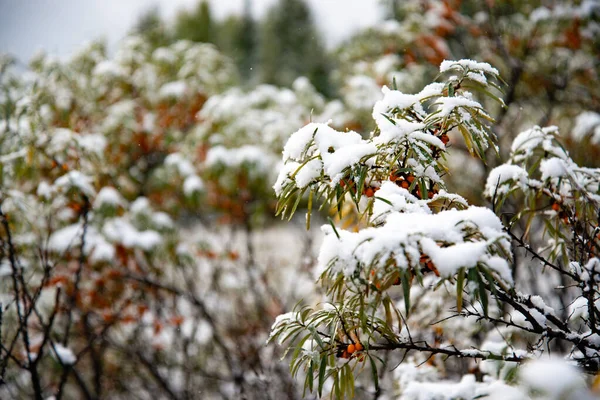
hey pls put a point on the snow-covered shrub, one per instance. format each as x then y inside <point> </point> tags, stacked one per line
<point>428,276</point>
<point>109,288</point>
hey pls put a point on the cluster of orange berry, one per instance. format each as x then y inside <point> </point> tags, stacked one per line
<point>350,350</point>
<point>367,190</point>
<point>428,265</point>
<point>562,214</point>
<point>405,181</point>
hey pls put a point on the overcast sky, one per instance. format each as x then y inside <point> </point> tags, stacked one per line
<point>61,26</point>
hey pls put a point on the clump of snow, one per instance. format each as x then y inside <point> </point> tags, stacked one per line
<point>140,206</point>
<point>76,180</point>
<point>527,141</point>
<point>183,165</point>
<point>62,239</point>
<point>92,143</point>
<point>405,236</point>
<point>393,133</point>
<point>467,388</point>
<point>281,320</point>
<point>108,68</point>
<point>466,64</point>
<point>109,196</point>
<point>119,230</point>
<point>309,172</point>
<point>393,100</point>
<point>554,378</point>
<point>45,190</point>
<point>447,105</point>
<point>164,54</point>
<point>69,237</point>
<point>162,220</point>
<point>236,157</point>
<point>390,197</point>
<point>587,123</point>
<point>64,354</point>
<point>553,168</point>
<point>540,14</point>
<point>192,184</point>
<point>173,90</point>
<point>335,150</point>
<point>503,174</point>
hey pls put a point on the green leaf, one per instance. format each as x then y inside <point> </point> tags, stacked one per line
<point>333,226</point>
<point>322,369</point>
<point>483,295</point>
<point>406,290</point>
<point>467,138</point>
<point>296,203</point>
<point>349,381</point>
<point>310,201</point>
<point>384,200</point>
<point>309,378</point>
<point>374,375</point>
<point>336,386</point>
<point>388,311</point>
<point>460,284</point>
<point>316,336</point>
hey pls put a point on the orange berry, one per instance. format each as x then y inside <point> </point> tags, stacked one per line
<point>369,192</point>
<point>556,207</point>
<point>410,178</point>
<point>351,348</point>
<point>176,320</point>
<point>141,309</point>
<point>404,184</point>
<point>358,346</point>
<point>128,319</point>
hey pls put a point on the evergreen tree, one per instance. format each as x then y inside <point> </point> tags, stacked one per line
<point>151,26</point>
<point>291,46</point>
<point>197,25</point>
<point>237,38</point>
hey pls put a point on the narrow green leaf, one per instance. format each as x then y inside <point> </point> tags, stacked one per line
<point>349,382</point>
<point>322,369</point>
<point>406,290</point>
<point>336,386</point>
<point>483,295</point>
<point>316,336</point>
<point>310,377</point>
<point>296,203</point>
<point>310,201</point>
<point>460,284</point>
<point>374,374</point>
<point>384,200</point>
<point>333,226</point>
<point>388,312</point>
